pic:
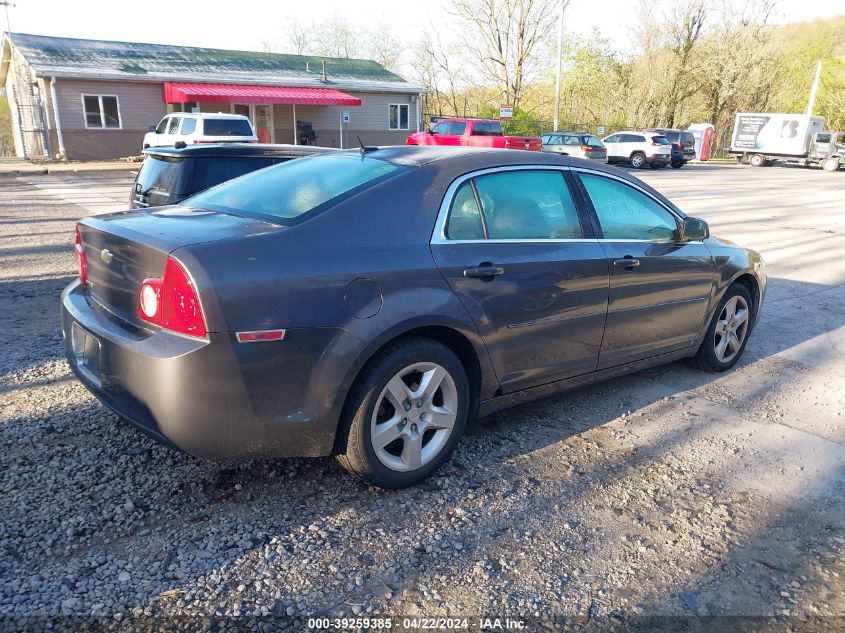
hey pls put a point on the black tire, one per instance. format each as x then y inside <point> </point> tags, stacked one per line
<point>831,164</point>
<point>706,359</point>
<point>358,455</point>
<point>757,160</point>
<point>638,160</point>
<point>677,164</point>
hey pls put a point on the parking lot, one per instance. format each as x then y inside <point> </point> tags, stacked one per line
<point>668,492</point>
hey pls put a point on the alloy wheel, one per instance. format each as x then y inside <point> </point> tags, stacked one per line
<point>731,329</point>
<point>414,416</point>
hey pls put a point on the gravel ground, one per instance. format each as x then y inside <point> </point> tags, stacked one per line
<point>670,492</point>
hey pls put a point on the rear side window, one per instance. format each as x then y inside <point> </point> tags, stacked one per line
<point>226,127</point>
<point>209,172</point>
<point>671,136</point>
<point>160,173</point>
<point>591,141</point>
<point>521,205</point>
<point>465,216</point>
<point>297,190</point>
<point>627,214</point>
<point>189,126</point>
<point>571,140</point>
<point>660,140</point>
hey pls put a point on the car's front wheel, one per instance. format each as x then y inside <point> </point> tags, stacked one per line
<point>405,414</point>
<point>831,164</point>
<point>728,332</point>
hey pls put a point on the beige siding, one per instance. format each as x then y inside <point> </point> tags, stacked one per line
<point>140,105</point>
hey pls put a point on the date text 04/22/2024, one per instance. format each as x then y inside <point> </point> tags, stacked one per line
<point>416,623</point>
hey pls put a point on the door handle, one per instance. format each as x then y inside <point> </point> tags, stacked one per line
<point>627,262</point>
<point>485,271</point>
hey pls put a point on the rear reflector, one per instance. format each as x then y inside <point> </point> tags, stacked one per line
<point>260,336</point>
<point>81,260</point>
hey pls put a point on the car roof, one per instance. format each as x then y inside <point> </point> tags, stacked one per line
<point>207,115</point>
<point>569,132</point>
<point>239,149</point>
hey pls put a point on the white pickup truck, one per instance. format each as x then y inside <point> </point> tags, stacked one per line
<point>765,138</point>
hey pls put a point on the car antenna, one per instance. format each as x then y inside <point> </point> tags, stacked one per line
<point>365,148</point>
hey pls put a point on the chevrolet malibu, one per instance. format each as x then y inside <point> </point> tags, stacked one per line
<point>366,304</point>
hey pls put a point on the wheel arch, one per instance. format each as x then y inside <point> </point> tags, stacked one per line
<point>751,284</point>
<point>469,350</point>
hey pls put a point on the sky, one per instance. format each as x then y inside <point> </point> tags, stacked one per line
<point>219,24</point>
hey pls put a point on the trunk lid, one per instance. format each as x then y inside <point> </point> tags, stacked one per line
<point>123,249</point>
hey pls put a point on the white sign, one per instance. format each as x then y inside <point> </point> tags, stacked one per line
<point>600,130</point>
<point>506,111</point>
<point>346,117</point>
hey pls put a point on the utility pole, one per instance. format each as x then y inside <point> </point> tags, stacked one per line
<point>557,74</point>
<point>7,4</point>
<point>811,102</point>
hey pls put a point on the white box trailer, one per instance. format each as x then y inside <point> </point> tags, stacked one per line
<point>763,137</point>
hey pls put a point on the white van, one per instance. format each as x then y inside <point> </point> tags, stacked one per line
<point>200,128</point>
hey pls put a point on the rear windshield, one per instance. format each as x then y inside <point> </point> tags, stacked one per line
<point>214,170</point>
<point>592,141</point>
<point>295,191</point>
<point>687,138</point>
<point>226,127</point>
<point>160,173</point>
<point>671,136</point>
<point>660,140</point>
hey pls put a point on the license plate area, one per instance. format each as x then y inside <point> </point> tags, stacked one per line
<point>86,350</point>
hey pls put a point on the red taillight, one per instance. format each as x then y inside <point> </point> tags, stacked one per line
<point>587,148</point>
<point>81,261</point>
<point>172,301</point>
<point>653,144</point>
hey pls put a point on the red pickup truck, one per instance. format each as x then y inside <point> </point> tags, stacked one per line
<point>473,133</point>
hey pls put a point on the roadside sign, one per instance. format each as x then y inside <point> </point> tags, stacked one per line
<point>601,129</point>
<point>506,111</point>
<point>346,117</point>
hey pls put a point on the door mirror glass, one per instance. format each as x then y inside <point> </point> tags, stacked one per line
<point>695,229</point>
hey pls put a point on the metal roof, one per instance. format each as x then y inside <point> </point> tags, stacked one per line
<point>133,61</point>
<point>230,93</point>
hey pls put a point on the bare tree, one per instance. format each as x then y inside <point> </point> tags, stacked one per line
<point>382,46</point>
<point>510,31</point>
<point>337,37</point>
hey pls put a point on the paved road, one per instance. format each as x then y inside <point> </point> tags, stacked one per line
<point>666,492</point>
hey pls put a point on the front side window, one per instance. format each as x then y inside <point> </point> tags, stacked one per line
<point>398,116</point>
<point>612,139</point>
<point>440,128</point>
<point>174,125</point>
<point>523,205</point>
<point>297,190</point>
<point>162,126</point>
<point>456,128</point>
<point>101,111</point>
<point>627,214</point>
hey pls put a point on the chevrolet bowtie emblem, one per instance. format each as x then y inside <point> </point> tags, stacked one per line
<point>106,255</point>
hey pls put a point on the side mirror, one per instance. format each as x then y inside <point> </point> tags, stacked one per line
<point>152,128</point>
<point>695,229</point>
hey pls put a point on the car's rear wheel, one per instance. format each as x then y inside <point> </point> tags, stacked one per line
<point>637,160</point>
<point>677,164</point>
<point>757,160</point>
<point>831,164</point>
<point>405,414</point>
<point>728,332</point>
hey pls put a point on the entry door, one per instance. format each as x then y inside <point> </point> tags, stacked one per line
<point>660,287</point>
<point>264,123</point>
<point>513,250</point>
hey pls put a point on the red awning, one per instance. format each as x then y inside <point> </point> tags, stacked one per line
<point>228,93</point>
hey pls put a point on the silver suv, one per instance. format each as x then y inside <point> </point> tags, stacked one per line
<point>578,144</point>
<point>639,149</point>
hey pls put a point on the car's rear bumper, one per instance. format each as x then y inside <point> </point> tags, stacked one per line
<point>658,159</point>
<point>213,397</point>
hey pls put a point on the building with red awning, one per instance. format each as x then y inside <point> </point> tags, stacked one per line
<point>91,99</point>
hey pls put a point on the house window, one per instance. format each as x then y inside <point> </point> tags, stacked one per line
<point>101,111</point>
<point>398,116</point>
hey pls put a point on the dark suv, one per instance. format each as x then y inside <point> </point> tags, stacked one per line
<point>171,174</point>
<point>683,145</point>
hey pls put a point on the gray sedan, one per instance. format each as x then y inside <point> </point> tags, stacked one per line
<point>367,304</point>
<point>577,144</point>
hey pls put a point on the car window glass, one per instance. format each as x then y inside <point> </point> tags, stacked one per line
<point>571,140</point>
<point>160,173</point>
<point>822,138</point>
<point>545,139</point>
<point>627,138</point>
<point>174,125</point>
<point>212,171</point>
<point>162,126</point>
<point>672,136</point>
<point>189,126</point>
<point>627,214</point>
<point>592,141</point>
<point>226,127</point>
<point>635,138</point>
<point>688,138</point>
<point>457,128</point>
<point>528,205</point>
<point>440,128</point>
<point>612,139</point>
<point>480,129</point>
<point>660,140</point>
<point>294,191</point>
<point>464,216</point>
